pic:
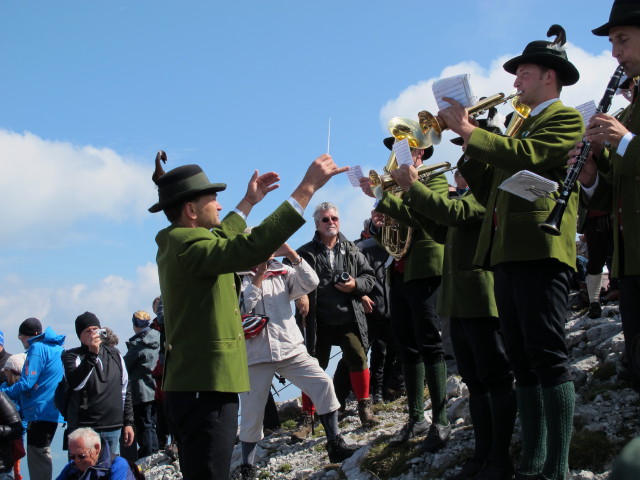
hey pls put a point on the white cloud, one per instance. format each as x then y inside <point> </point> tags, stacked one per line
<point>49,186</point>
<point>113,299</point>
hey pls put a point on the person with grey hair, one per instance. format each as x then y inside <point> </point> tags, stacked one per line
<point>336,315</point>
<point>89,460</point>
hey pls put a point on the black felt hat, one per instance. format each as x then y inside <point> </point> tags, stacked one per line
<point>547,54</point>
<point>389,141</point>
<point>623,12</point>
<point>183,183</point>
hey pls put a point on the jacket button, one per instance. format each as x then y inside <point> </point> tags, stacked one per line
<point>235,311</point>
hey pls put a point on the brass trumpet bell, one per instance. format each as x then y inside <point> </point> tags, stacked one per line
<point>425,172</point>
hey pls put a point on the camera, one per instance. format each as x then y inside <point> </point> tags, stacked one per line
<point>102,332</point>
<point>341,277</point>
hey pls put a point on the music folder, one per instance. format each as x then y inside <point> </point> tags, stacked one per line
<point>529,185</point>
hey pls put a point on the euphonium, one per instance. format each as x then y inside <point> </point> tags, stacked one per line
<point>394,236</point>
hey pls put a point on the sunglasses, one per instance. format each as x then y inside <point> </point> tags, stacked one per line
<point>79,456</point>
<point>326,219</point>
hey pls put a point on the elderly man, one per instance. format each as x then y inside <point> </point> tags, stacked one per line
<point>619,190</point>
<point>532,270</point>
<point>206,358</point>
<point>336,315</point>
<point>90,461</point>
<point>34,391</point>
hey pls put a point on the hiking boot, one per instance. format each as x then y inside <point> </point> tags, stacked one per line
<point>367,418</point>
<point>436,438</point>
<point>610,296</point>
<point>304,428</point>
<point>469,470</point>
<point>411,429</point>
<point>377,399</point>
<point>339,451</point>
<point>245,472</point>
<point>595,310</point>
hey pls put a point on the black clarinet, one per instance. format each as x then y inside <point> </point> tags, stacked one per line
<point>552,225</point>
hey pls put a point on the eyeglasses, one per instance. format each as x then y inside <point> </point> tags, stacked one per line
<point>79,456</point>
<point>326,219</point>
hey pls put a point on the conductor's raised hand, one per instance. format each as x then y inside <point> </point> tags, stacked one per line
<point>319,172</point>
<point>260,185</point>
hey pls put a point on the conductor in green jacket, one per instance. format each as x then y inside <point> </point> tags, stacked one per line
<point>532,270</point>
<point>206,359</point>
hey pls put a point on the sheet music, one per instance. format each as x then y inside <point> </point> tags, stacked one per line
<point>355,174</point>
<point>456,87</point>
<point>403,152</point>
<point>529,185</point>
<point>587,110</point>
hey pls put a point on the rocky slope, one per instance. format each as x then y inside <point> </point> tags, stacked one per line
<point>606,417</point>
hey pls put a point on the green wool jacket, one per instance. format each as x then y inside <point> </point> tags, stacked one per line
<point>424,259</point>
<point>620,190</point>
<point>510,230</point>
<point>205,349</point>
<point>466,291</point>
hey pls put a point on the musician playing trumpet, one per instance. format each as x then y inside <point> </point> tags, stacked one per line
<point>618,191</point>
<point>532,270</point>
<point>415,280</point>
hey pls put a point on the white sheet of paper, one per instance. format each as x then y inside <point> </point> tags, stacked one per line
<point>403,152</point>
<point>355,174</point>
<point>587,110</point>
<point>529,185</point>
<point>456,87</point>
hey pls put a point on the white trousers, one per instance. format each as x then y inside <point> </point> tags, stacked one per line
<point>303,371</point>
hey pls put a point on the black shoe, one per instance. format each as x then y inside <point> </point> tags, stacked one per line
<point>525,476</point>
<point>245,472</point>
<point>411,429</point>
<point>436,438</point>
<point>595,310</point>
<point>496,471</point>
<point>339,451</point>
<point>377,398</point>
<point>469,470</point>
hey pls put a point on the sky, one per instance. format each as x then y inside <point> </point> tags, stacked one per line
<point>90,91</point>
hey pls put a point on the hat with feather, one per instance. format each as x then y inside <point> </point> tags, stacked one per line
<point>180,184</point>
<point>623,12</point>
<point>548,54</point>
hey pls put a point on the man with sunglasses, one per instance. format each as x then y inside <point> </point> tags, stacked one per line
<point>88,460</point>
<point>336,315</point>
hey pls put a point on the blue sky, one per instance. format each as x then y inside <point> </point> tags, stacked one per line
<point>89,91</point>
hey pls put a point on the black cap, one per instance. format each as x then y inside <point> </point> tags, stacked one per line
<point>623,12</point>
<point>30,327</point>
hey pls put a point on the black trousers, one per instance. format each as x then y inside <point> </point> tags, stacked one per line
<point>414,319</point>
<point>480,355</point>
<point>532,299</point>
<point>205,425</point>
<point>630,312</point>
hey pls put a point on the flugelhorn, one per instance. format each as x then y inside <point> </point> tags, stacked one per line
<point>431,126</point>
<point>552,225</point>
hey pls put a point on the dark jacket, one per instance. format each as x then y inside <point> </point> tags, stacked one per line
<point>141,358</point>
<point>356,266</point>
<point>102,398</point>
<point>10,430</point>
<point>378,258</point>
<point>4,356</point>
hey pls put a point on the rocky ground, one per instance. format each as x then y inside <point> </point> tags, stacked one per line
<point>606,418</point>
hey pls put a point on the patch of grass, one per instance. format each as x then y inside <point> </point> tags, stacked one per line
<point>319,448</point>
<point>591,451</point>
<point>264,475</point>
<point>285,468</point>
<point>605,372</point>
<point>318,431</point>
<point>386,461</point>
<point>289,424</point>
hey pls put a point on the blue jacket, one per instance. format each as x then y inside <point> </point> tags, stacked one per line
<point>41,374</point>
<point>116,468</point>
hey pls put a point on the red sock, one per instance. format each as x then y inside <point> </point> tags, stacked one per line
<point>360,383</point>
<point>307,404</point>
